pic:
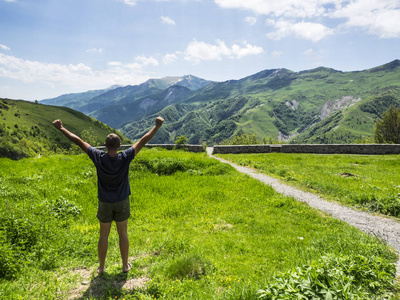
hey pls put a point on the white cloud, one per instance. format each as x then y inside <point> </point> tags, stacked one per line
<point>288,8</point>
<point>276,53</point>
<point>199,51</point>
<point>145,61</point>
<point>251,20</point>
<point>134,2</point>
<point>314,56</point>
<point>114,63</point>
<point>167,20</point>
<point>305,30</point>
<point>378,17</point>
<point>4,47</point>
<point>170,58</point>
<point>308,52</point>
<point>31,71</point>
<point>239,52</point>
<point>130,2</point>
<point>78,76</point>
<point>94,50</point>
<point>11,0</point>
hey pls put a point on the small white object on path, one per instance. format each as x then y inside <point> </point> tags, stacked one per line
<point>385,228</point>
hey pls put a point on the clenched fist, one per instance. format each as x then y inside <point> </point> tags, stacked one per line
<point>57,124</point>
<point>159,121</point>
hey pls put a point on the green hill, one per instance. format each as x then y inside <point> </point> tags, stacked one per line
<point>315,106</point>
<point>321,105</point>
<point>26,128</point>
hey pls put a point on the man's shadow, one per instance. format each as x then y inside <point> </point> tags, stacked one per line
<point>106,285</point>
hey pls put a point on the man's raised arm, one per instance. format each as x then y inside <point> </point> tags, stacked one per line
<point>72,137</point>
<point>148,136</point>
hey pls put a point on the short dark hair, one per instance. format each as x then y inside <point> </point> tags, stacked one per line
<point>113,141</point>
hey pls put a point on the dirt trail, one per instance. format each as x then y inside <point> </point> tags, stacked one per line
<point>385,228</point>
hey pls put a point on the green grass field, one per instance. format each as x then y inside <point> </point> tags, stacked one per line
<point>368,182</point>
<point>198,230</point>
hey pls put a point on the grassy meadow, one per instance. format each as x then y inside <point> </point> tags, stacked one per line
<point>26,129</point>
<point>199,230</point>
<point>368,182</point>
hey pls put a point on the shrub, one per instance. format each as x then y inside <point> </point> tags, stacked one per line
<point>188,266</point>
<point>181,140</point>
<point>8,263</point>
<point>19,232</point>
<point>347,277</point>
<point>161,166</point>
<point>387,130</point>
<point>63,208</point>
<point>169,166</point>
<point>245,139</point>
<point>18,236</point>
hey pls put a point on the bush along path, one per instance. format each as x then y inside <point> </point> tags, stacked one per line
<point>384,228</point>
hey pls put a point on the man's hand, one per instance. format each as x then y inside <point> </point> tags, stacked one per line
<point>159,121</point>
<point>57,124</point>
<point>148,136</point>
<point>72,137</point>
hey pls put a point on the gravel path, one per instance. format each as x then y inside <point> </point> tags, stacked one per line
<point>385,228</point>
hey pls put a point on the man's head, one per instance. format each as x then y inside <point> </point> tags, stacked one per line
<point>113,142</point>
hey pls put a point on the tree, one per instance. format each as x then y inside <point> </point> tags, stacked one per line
<point>89,137</point>
<point>387,130</point>
<point>181,140</point>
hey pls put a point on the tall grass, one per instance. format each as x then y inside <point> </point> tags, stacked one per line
<point>198,230</point>
<point>369,182</point>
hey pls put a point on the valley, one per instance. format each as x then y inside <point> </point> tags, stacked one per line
<point>321,105</point>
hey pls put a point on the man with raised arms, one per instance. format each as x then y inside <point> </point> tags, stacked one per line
<point>113,187</point>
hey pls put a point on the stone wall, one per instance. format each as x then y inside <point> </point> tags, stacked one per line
<point>190,148</point>
<point>372,149</point>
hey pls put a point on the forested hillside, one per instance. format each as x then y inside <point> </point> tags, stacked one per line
<point>321,105</point>
<point>26,129</point>
<point>316,106</point>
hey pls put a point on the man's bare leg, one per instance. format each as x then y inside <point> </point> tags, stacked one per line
<point>122,228</point>
<point>103,245</point>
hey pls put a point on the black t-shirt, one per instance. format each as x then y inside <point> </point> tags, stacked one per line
<point>112,174</point>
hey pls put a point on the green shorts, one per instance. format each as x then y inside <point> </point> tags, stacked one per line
<point>118,211</point>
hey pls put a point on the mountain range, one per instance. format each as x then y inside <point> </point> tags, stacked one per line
<point>320,105</point>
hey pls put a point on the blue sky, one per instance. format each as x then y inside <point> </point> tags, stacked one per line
<point>54,47</point>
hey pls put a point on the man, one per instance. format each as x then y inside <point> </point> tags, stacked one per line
<point>113,187</point>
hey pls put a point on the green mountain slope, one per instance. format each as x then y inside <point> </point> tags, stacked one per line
<point>75,100</point>
<point>315,106</point>
<point>356,122</point>
<point>321,105</point>
<point>96,102</point>
<point>26,128</point>
<point>128,110</point>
